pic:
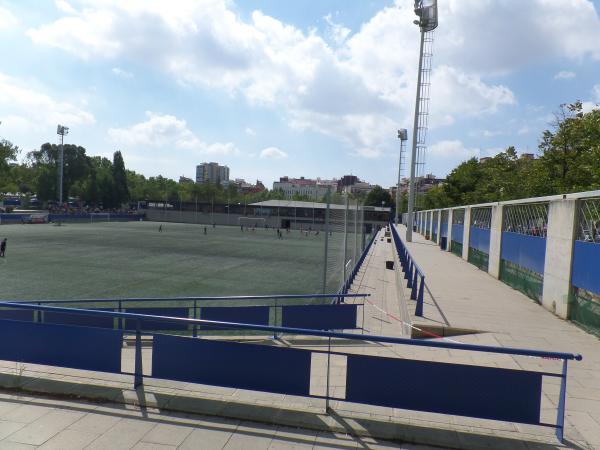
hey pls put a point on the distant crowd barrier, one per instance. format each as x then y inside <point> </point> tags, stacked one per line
<point>547,248</point>
<point>415,277</point>
<point>44,217</point>
<point>495,393</point>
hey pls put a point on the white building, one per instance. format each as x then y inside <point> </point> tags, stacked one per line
<point>212,173</point>
<point>313,189</point>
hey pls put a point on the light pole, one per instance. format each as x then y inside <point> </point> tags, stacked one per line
<point>61,130</point>
<point>403,136</point>
<point>428,21</point>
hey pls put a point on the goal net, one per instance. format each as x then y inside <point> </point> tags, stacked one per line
<point>258,222</point>
<point>99,217</point>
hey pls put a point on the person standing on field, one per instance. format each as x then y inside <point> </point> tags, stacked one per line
<point>3,247</point>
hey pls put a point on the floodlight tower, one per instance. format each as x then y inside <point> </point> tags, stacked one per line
<point>403,136</point>
<point>61,130</point>
<point>427,12</point>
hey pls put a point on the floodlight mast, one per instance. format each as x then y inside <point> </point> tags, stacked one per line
<point>61,130</point>
<point>427,12</point>
<point>403,136</point>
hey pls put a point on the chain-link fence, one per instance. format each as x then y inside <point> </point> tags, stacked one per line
<point>584,302</point>
<point>481,218</point>
<point>530,219</point>
<point>588,223</point>
<point>523,252</point>
<point>434,227</point>
<point>347,235</point>
<point>458,216</point>
<point>479,237</point>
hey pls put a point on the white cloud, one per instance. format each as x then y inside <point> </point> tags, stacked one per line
<point>167,131</point>
<point>250,132</point>
<point>24,108</point>
<point>337,32</point>
<point>7,19</point>
<point>358,90</point>
<point>565,75</point>
<point>121,73</point>
<point>273,153</point>
<point>64,6</point>
<point>453,150</point>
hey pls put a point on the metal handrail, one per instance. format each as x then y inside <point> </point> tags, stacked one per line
<point>218,298</point>
<point>411,271</point>
<point>304,331</point>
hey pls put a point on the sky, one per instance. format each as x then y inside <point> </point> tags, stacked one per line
<point>314,88</point>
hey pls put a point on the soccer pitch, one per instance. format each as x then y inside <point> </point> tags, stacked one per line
<point>134,259</point>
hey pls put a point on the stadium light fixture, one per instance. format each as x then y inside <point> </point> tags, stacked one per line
<point>62,131</point>
<point>427,12</point>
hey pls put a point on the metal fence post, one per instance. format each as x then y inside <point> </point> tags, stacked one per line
<point>326,240</point>
<point>419,308</point>
<point>344,262</point>
<point>139,378</point>
<point>413,291</point>
<point>560,413</point>
<point>275,319</point>
<point>328,365</point>
<point>195,326</point>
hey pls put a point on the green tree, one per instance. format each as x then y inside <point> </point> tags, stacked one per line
<point>378,196</point>
<point>120,189</point>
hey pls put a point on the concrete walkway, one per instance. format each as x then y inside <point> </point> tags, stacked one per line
<point>466,297</point>
<point>34,422</point>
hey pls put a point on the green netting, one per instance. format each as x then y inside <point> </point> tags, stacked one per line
<point>456,248</point>
<point>584,310</point>
<point>479,259</point>
<point>526,281</point>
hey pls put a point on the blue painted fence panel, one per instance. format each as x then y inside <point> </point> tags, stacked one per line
<point>255,315</point>
<point>444,229</point>
<point>586,266</point>
<point>61,345</point>
<point>231,364</point>
<point>479,239</point>
<point>149,325</point>
<point>17,314</point>
<point>457,232</point>
<point>456,389</point>
<point>526,251</point>
<point>320,317</point>
<point>79,319</point>
<point>435,226</point>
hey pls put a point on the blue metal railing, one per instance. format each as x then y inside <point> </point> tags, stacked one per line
<point>266,309</point>
<point>348,282</point>
<point>490,380</point>
<point>415,277</point>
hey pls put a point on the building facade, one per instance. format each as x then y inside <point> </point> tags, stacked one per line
<point>212,172</point>
<point>313,189</point>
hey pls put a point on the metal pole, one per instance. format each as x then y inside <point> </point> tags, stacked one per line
<point>413,158</point>
<point>326,240</point>
<point>345,240</point>
<point>60,170</point>
<point>354,262</point>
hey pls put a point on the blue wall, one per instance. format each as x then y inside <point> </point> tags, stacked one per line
<point>526,251</point>
<point>457,232</point>
<point>444,229</point>
<point>479,239</point>
<point>586,266</point>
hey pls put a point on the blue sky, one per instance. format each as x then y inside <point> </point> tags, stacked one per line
<point>299,88</point>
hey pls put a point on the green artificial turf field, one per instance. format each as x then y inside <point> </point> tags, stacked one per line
<point>132,259</point>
